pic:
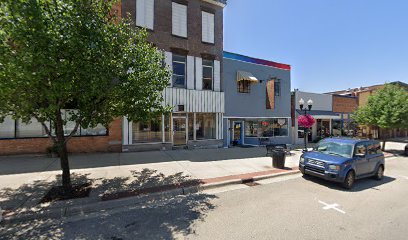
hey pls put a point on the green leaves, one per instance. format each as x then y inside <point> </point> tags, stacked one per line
<point>387,108</point>
<point>74,54</point>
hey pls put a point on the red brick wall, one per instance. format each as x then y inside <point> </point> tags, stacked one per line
<point>343,104</point>
<point>110,143</point>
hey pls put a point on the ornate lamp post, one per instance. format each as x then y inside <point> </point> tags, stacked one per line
<point>305,120</point>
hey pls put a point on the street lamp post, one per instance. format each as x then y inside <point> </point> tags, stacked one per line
<point>305,110</point>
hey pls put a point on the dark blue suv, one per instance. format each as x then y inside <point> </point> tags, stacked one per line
<point>344,160</point>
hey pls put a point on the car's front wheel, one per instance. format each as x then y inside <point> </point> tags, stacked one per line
<point>349,180</point>
<point>380,173</point>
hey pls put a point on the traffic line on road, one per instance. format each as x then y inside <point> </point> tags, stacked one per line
<point>332,206</point>
<point>405,177</point>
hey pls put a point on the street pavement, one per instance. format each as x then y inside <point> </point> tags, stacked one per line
<point>291,207</point>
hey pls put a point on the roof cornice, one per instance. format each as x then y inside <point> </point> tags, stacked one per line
<point>220,3</point>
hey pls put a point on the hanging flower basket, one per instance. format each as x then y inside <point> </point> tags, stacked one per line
<point>306,121</point>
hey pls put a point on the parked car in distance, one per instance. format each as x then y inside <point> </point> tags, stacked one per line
<point>344,160</point>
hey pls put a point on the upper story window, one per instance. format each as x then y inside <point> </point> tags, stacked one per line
<point>179,70</point>
<point>277,88</point>
<point>207,27</point>
<point>244,86</point>
<point>179,20</point>
<point>208,75</point>
<point>145,13</point>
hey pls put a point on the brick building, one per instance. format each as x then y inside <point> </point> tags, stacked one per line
<point>191,35</point>
<point>361,95</point>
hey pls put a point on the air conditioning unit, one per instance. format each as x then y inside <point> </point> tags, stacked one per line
<point>180,108</point>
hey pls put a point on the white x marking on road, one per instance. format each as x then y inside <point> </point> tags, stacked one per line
<point>331,206</point>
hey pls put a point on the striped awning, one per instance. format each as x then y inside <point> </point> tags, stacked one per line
<point>246,76</point>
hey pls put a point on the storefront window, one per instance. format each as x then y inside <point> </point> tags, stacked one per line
<point>281,127</point>
<point>7,128</point>
<point>267,128</point>
<point>33,129</point>
<point>251,128</point>
<point>190,126</point>
<point>167,129</point>
<point>69,125</point>
<point>150,131</point>
<point>205,125</point>
<point>98,130</point>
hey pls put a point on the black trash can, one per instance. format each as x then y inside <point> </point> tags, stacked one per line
<point>278,158</point>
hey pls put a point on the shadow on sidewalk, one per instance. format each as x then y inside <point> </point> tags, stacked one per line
<point>153,220</point>
<point>156,218</point>
<point>137,183</point>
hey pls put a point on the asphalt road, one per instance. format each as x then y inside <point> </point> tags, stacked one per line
<point>286,208</point>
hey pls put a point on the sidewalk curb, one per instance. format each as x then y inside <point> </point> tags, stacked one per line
<point>84,210</point>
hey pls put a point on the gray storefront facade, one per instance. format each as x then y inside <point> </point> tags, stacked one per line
<point>257,101</point>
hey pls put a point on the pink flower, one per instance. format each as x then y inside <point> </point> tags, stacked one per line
<point>306,121</point>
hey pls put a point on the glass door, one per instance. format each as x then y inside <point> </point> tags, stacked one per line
<point>179,130</point>
<point>237,132</point>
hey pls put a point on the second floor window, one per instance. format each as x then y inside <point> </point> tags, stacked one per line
<point>207,27</point>
<point>244,86</point>
<point>208,74</point>
<point>145,13</point>
<point>179,20</point>
<point>277,88</point>
<point>179,70</point>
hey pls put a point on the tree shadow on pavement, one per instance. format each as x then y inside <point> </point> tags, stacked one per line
<point>166,218</point>
<point>139,182</point>
<point>161,217</point>
<point>169,219</point>
<point>359,185</point>
<point>29,195</point>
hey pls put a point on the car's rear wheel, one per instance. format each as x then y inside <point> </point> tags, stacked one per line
<point>349,180</point>
<point>380,173</point>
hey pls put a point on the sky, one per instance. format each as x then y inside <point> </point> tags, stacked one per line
<point>330,44</point>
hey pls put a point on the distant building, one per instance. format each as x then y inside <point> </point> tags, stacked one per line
<point>322,112</point>
<point>362,94</point>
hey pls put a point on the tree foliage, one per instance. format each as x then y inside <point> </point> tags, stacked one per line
<point>75,54</point>
<point>387,108</point>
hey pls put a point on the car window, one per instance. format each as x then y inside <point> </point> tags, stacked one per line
<point>361,149</point>
<point>333,148</point>
<point>374,148</point>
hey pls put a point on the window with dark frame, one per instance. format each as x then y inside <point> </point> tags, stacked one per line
<point>244,86</point>
<point>208,74</point>
<point>179,70</point>
<point>277,88</point>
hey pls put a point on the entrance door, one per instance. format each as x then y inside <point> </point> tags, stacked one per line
<point>179,131</point>
<point>237,133</point>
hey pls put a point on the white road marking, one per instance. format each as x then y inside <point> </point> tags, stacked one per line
<point>332,206</point>
<point>404,177</point>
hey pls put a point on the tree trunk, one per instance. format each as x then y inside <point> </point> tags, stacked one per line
<point>63,153</point>
<point>383,145</point>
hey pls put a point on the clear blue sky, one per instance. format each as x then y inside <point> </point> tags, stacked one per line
<point>330,44</point>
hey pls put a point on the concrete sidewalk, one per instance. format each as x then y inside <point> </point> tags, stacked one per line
<point>24,180</point>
